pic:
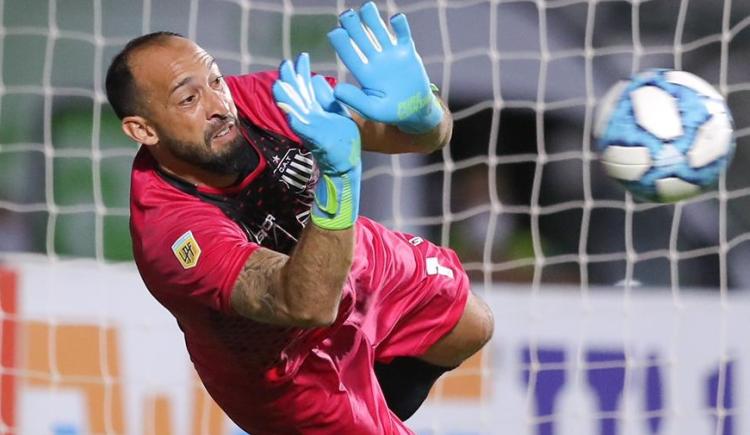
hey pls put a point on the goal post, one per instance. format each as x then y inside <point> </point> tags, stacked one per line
<point>612,316</point>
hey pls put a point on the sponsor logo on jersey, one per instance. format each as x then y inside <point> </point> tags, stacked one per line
<point>187,250</point>
<point>296,169</point>
<point>416,241</point>
<point>303,217</point>
<point>269,228</point>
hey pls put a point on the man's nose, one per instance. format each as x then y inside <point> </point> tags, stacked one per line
<point>216,105</point>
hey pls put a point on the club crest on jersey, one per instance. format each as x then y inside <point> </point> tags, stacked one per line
<point>187,250</point>
<point>296,170</point>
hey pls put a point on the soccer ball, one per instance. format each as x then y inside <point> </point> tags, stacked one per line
<point>665,135</point>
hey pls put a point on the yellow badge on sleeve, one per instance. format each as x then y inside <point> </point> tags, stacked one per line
<point>186,250</point>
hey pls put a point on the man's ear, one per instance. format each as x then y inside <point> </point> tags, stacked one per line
<point>140,130</point>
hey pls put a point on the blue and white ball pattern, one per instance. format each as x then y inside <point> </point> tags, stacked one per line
<point>665,135</point>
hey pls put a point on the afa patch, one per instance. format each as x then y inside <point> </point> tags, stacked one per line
<point>187,250</point>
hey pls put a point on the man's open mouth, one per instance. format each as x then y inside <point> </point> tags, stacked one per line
<point>223,131</point>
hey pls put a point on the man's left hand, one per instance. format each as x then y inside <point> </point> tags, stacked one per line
<point>395,87</point>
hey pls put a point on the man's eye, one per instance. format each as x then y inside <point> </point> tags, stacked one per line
<point>217,80</point>
<point>188,100</point>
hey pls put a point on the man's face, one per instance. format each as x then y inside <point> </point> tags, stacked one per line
<point>189,105</point>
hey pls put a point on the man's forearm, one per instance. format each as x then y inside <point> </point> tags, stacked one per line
<point>388,139</point>
<point>316,272</point>
<point>303,289</point>
<point>438,137</point>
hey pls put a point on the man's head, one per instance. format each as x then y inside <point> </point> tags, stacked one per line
<point>171,97</point>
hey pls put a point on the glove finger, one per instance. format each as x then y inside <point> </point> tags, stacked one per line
<point>323,92</point>
<point>354,60</point>
<point>353,97</point>
<point>371,17</point>
<point>350,21</point>
<point>401,28</point>
<point>289,101</point>
<point>324,95</point>
<point>304,86</point>
<point>287,73</point>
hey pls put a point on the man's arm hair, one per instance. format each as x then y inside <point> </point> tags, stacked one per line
<point>302,289</point>
<point>388,139</point>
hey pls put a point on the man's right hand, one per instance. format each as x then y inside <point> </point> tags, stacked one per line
<point>330,134</point>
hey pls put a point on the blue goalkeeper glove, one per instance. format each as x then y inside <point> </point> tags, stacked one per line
<point>329,132</point>
<point>395,86</point>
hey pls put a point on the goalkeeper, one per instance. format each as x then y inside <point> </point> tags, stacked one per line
<point>299,315</point>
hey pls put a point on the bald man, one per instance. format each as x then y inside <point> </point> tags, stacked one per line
<point>299,315</point>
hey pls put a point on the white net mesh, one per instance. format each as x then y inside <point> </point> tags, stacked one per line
<point>518,194</point>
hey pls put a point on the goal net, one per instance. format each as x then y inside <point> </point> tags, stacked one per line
<point>612,316</point>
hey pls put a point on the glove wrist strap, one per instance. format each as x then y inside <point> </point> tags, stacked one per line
<point>336,203</point>
<point>426,114</point>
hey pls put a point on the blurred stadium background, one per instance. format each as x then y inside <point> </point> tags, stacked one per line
<point>613,317</point>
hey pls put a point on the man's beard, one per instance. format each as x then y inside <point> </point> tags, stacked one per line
<point>236,157</point>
